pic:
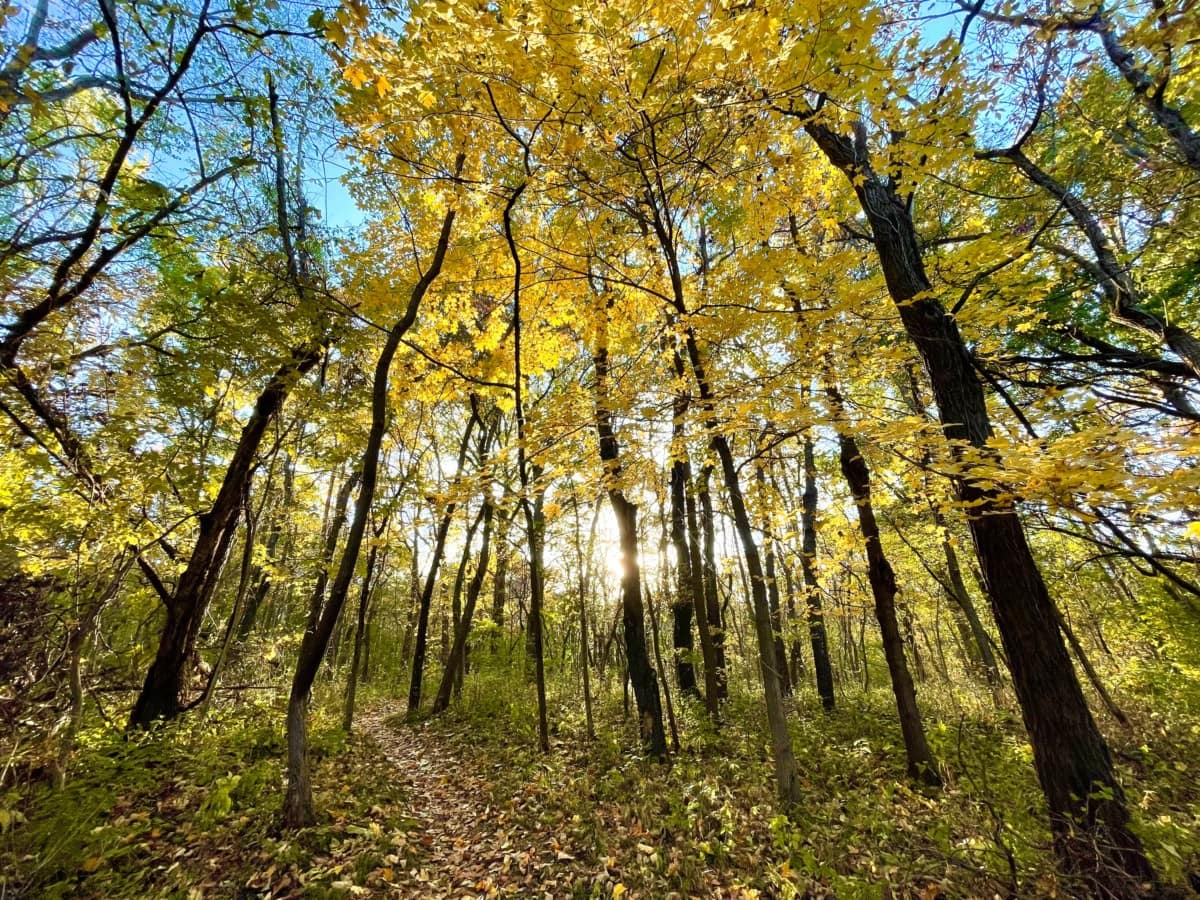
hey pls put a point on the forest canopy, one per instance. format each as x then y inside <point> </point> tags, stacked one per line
<point>685,448</point>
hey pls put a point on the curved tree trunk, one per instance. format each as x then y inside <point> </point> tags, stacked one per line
<point>164,684</point>
<point>297,806</point>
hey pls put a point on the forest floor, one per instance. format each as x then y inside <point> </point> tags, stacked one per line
<point>465,806</point>
<point>488,836</point>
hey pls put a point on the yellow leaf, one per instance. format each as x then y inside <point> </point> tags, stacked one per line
<point>92,863</point>
<point>619,889</point>
<point>356,76</point>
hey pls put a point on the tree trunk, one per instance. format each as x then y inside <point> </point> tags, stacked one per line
<point>656,643</point>
<point>163,687</point>
<point>641,672</point>
<point>683,607</point>
<point>708,650</point>
<point>1088,815</point>
<point>921,763</point>
<point>534,513</point>
<point>457,652</point>
<point>712,599</point>
<point>785,681</point>
<point>360,632</point>
<point>435,561</point>
<point>817,634</point>
<point>297,805</point>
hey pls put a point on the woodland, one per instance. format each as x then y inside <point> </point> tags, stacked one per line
<point>600,448</point>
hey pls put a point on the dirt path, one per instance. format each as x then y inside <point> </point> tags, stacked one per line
<point>470,846</point>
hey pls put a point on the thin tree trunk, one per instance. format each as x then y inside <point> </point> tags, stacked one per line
<point>360,630</point>
<point>435,561</point>
<point>683,608</point>
<point>712,599</point>
<point>298,806</point>
<point>584,566</point>
<point>818,636</point>
<point>662,674</point>
<point>534,517</point>
<point>457,652</point>
<point>921,763</point>
<point>708,649</point>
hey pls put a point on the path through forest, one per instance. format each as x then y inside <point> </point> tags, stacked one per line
<point>473,845</point>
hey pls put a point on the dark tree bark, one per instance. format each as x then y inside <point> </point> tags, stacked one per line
<point>297,806</point>
<point>683,607</point>
<point>458,650</point>
<point>534,515</point>
<point>817,634</point>
<point>708,649</point>
<point>641,672</point>
<point>161,693</point>
<point>1088,815</point>
<point>712,599</point>
<point>426,600</point>
<point>921,763</point>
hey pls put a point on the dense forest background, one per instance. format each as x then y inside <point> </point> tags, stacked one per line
<point>470,447</point>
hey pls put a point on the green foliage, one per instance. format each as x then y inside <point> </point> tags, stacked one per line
<point>145,815</point>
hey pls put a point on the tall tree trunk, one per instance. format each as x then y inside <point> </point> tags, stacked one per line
<point>684,606</point>
<point>817,634</point>
<point>534,513</point>
<point>435,561</point>
<point>921,763</point>
<point>458,650</point>
<point>360,633</point>
<point>712,598</point>
<point>656,643</point>
<point>163,687</point>
<point>641,672</point>
<point>708,649</point>
<point>1088,815</point>
<point>297,806</point>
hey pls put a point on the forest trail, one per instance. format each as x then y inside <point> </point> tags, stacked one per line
<point>471,845</point>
